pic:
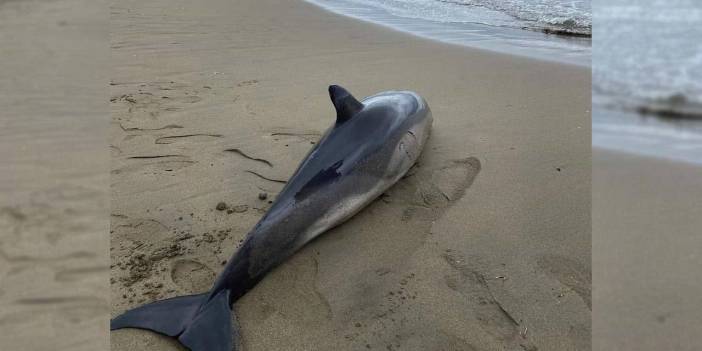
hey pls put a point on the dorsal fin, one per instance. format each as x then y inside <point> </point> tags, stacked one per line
<point>346,105</point>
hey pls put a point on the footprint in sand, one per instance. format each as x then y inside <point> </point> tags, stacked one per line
<point>434,188</point>
<point>569,273</point>
<point>150,100</point>
<point>295,295</point>
<point>140,105</point>
<point>115,151</point>
<point>453,179</point>
<point>134,229</point>
<point>493,319</point>
<point>192,276</point>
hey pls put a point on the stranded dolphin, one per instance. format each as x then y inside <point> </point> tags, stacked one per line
<point>371,145</point>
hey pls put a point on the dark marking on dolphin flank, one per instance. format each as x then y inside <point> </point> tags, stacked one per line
<point>327,175</point>
<point>370,147</point>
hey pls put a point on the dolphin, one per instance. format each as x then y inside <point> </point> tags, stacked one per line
<point>370,146</point>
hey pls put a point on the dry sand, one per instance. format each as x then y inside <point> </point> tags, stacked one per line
<point>485,247</point>
<point>646,253</point>
<point>54,200</point>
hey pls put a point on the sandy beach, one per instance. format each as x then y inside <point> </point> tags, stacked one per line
<point>54,176</point>
<point>486,246</point>
<point>646,242</point>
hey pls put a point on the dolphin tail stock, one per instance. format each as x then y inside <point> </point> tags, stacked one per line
<point>199,322</point>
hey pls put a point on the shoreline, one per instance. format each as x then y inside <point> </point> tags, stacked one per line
<point>546,44</point>
<point>647,136</point>
<point>502,189</point>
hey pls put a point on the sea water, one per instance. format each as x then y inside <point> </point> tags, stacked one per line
<point>519,27</point>
<point>647,56</point>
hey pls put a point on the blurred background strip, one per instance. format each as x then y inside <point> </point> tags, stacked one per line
<point>647,174</point>
<point>54,175</point>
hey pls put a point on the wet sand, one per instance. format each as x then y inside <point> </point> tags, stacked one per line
<point>54,176</point>
<point>646,239</point>
<point>486,246</point>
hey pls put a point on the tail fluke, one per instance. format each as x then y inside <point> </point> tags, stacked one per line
<point>199,324</point>
<point>212,327</point>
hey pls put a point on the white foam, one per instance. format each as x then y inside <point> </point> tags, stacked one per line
<point>459,24</point>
